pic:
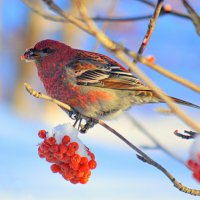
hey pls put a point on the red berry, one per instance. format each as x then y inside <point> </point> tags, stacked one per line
<point>167,8</point>
<point>66,139</point>
<point>196,175</point>
<point>44,147</point>
<point>84,168</point>
<point>40,153</point>
<point>92,164</point>
<point>190,163</point>
<point>55,168</point>
<point>87,174</point>
<point>83,180</point>
<point>74,181</point>
<point>65,159</point>
<point>58,156</point>
<point>74,166</point>
<point>54,148</point>
<point>62,148</point>
<point>73,146</point>
<point>84,160</point>
<point>70,174</point>
<point>79,174</point>
<point>75,159</point>
<point>64,167</point>
<point>198,156</point>
<point>151,59</point>
<point>42,134</point>
<point>92,156</point>
<point>195,166</point>
<point>70,152</point>
<point>51,140</point>
<point>50,158</point>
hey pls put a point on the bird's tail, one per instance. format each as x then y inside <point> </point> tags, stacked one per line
<point>186,103</point>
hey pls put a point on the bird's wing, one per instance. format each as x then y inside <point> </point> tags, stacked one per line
<point>105,74</point>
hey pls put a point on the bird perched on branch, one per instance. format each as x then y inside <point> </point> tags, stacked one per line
<point>94,85</point>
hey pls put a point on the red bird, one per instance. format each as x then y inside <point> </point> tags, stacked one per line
<point>93,84</point>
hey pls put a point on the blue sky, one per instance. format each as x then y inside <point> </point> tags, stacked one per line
<point>24,176</point>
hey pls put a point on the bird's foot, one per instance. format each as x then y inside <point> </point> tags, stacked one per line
<point>78,118</point>
<point>89,124</point>
<point>75,116</point>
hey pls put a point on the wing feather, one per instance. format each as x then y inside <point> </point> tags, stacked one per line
<point>101,71</point>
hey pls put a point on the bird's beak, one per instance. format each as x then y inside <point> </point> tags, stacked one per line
<point>23,57</point>
<point>31,55</point>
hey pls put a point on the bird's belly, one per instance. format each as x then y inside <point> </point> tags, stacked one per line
<point>92,102</point>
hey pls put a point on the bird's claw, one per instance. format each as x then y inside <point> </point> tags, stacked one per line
<point>89,124</point>
<point>78,117</point>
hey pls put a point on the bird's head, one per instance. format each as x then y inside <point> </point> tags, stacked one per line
<point>47,50</point>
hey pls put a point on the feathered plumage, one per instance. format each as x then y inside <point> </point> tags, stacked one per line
<point>91,83</point>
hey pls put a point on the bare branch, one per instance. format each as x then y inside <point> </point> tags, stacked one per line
<point>188,135</point>
<point>55,18</point>
<point>150,29</point>
<point>194,16</point>
<point>162,71</point>
<point>106,23</point>
<point>147,2</point>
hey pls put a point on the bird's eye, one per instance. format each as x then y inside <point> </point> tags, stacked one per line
<point>47,50</point>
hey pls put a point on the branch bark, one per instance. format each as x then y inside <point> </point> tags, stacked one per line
<point>150,29</point>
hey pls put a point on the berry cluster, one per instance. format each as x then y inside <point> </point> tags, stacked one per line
<point>194,159</point>
<point>69,156</point>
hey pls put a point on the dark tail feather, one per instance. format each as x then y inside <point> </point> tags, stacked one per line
<point>186,103</point>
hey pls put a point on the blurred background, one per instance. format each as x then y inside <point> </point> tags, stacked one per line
<point>119,174</point>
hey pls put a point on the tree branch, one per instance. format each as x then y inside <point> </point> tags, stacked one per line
<point>187,134</point>
<point>194,16</point>
<point>162,70</point>
<point>100,19</point>
<point>150,29</point>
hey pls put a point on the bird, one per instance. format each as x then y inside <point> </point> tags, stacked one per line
<point>92,84</point>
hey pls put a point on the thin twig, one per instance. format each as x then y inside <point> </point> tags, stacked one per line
<point>150,29</point>
<point>194,15</point>
<point>188,135</point>
<point>97,18</point>
<point>142,155</point>
<point>147,2</point>
<point>181,114</point>
<point>166,11</point>
<point>162,71</point>
<point>106,23</point>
